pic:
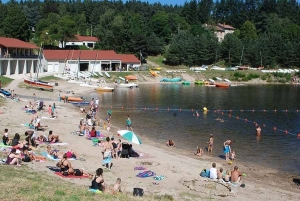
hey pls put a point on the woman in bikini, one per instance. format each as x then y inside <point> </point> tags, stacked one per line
<point>65,165</point>
<point>98,181</point>
<point>199,152</point>
<point>54,153</point>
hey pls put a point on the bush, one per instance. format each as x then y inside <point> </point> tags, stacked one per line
<point>264,77</point>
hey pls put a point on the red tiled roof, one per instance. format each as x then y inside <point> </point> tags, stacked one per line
<point>84,38</point>
<point>129,58</point>
<point>59,55</point>
<point>16,43</point>
<point>226,26</point>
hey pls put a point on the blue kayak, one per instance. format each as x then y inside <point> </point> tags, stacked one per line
<point>80,103</point>
<point>6,93</point>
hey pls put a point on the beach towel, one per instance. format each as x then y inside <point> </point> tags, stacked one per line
<point>106,160</point>
<point>140,168</point>
<point>52,118</point>
<point>161,177</point>
<point>56,143</point>
<point>72,176</point>
<point>143,155</point>
<point>146,174</point>
<point>27,125</point>
<point>51,157</point>
<point>95,190</point>
<point>7,146</point>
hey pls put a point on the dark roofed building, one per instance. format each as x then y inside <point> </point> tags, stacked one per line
<point>220,30</point>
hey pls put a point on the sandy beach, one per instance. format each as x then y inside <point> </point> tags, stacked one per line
<point>180,168</point>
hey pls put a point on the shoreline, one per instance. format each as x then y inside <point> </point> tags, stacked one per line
<point>176,167</point>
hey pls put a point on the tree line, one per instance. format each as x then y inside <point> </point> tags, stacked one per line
<point>267,31</point>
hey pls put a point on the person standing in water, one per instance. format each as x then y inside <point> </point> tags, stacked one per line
<point>210,143</point>
<point>258,130</point>
<point>227,149</point>
<point>128,123</point>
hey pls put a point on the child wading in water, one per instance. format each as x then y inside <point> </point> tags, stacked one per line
<point>210,143</point>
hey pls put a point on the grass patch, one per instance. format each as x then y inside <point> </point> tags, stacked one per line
<point>159,60</point>
<point>5,81</point>
<point>21,183</point>
<point>48,78</point>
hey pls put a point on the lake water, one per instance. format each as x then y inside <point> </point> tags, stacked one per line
<point>162,119</point>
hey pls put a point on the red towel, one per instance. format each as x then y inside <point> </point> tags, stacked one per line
<point>72,176</point>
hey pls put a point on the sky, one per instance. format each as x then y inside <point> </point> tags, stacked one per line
<point>173,2</point>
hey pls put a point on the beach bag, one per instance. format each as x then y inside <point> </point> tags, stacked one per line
<point>204,173</point>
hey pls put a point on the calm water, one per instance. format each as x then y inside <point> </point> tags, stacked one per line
<point>274,149</point>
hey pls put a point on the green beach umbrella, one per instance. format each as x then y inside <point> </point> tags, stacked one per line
<point>130,136</point>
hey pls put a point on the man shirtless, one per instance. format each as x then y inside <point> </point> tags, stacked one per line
<point>236,176</point>
<point>258,130</point>
<point>107,147</point>
<point>53,138</point>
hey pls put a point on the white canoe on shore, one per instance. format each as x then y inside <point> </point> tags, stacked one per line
<point>88,85</point>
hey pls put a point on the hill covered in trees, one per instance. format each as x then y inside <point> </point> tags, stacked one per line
<point>267,31</point>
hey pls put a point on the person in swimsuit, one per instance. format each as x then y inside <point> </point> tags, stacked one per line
<point>227,148</point>
<point>210,143</point>
<point>117,187</point>
<point>13,158</point>
<point>27,156</point>
<point>30,138</point>
<point>199,152</point>
<point>258,130</point>
<point>129,123</point>
<point>170,143</point>
<point>98,181</point>
<point>54,153</point>
<point>65,165</point>
<point>53,138</point>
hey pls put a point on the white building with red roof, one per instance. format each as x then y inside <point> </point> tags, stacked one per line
<point>220,30</point>
<point>17,57</point>
<point>88,41</point>
<point>88,60</point>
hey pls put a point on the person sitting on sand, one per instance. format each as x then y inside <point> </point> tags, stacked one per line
<point>226,178</point>
<point>5,138</point>
<point>30,138</point>
<point>53,138</point>
<point>232,155</point>
<point>199,152</point>
<point>42,138</point>
<point>220,174</point>
<point>98,181</point>
<point>213,172</point>
<point>27,156</point>
<point>65,165</point>
<point>93,132</point>
<point>170,143</point>
<point>117,187</point>
<point>236,176</point>
<point>13,158</point>
<point>16,142</point>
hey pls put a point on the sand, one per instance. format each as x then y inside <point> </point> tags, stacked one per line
<point>180,168</point>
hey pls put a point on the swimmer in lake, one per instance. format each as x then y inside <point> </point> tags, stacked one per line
<point>196,114</point>
<point>258,130</point>
<point>220,120</point>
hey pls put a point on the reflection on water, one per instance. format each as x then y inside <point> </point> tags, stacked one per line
<point>273,148</point>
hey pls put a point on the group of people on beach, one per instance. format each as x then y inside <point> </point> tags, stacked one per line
<point>22,150</point>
